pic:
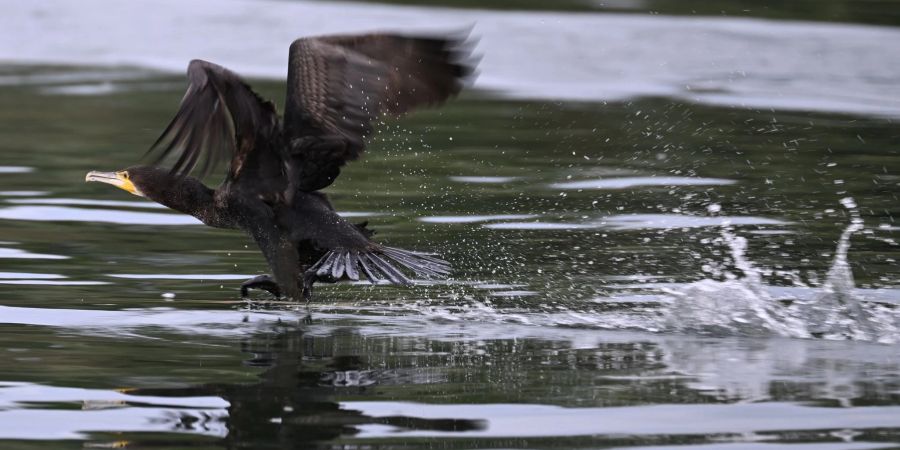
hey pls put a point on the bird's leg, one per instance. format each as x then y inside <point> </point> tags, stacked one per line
<point>280,253</point>
<point>309,277</point>
<point>264,282</point>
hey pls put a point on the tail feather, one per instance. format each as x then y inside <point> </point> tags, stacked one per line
<point>421,267</point>
<point>325,266</point>
<point>382,264</point>
<point>351,265</point>
<point>337,269</point>
<point>369,269</point>
<point>392,273</point>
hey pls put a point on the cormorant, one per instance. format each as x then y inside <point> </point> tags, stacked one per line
<point>337,87</point>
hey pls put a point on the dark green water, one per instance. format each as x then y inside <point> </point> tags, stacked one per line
<point>648,273</point>
<point>96,356</point>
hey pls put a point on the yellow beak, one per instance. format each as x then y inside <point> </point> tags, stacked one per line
<point>117,179</point>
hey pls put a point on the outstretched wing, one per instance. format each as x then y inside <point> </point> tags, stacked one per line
<point>339,85</point>
<point>220,117</point>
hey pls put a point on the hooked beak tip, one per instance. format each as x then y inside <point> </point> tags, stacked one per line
<point>98,176</point>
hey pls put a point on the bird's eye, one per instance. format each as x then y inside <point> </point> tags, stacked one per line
<point>125,175</point>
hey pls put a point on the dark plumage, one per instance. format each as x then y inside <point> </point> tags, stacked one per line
<point>337,87</point>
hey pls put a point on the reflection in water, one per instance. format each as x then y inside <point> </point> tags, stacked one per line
<point>293,406</point>
<point>26,409</point>
<point>340,387</point>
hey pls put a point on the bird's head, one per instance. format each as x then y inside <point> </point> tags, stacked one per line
<point>143,181</point>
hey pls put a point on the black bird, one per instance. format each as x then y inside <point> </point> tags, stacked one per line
<point>337,88</point>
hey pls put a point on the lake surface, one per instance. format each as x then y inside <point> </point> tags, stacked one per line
<point>666,232</point>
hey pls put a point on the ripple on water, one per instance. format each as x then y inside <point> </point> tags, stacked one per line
<point>53,282</point>
<point>172,276</point>
<point>21,193</point>
<point>106,87</point>
<point>31,276</point>
<point>668,221</point>
<point>640,221</point>
<point>42,279</point>
<point>59,210</point>
<point>132,321</point>
<point>497,286</point>
<point>630,182</point>
<point>67,214</point>
<point>73,76</point>
<point>514,293</point>
<point>539,226</point>
<point>14,253</point>
<point>85,202</point>
<point>15,169</point>
<point>475,219</point>
<point>484,180</point>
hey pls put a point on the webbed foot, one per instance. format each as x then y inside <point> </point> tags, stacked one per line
<point>264,282</point>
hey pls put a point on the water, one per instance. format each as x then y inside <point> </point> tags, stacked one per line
<point>639,263</point>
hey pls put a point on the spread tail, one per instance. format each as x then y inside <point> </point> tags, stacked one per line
<point>377,265</point>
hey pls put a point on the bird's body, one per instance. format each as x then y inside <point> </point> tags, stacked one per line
<point>337,87</point>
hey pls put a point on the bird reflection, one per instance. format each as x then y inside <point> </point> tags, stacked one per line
<point>292,405</point>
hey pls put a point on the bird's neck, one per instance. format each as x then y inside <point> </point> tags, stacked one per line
<point>190,196</point>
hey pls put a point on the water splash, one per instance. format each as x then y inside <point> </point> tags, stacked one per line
<point>743,305</point>
<point>738,305</point>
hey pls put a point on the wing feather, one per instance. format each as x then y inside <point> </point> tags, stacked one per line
<point>220,118</point>
<point>338,86</point>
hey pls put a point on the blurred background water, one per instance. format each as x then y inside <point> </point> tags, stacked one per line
<point>672,226</point>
